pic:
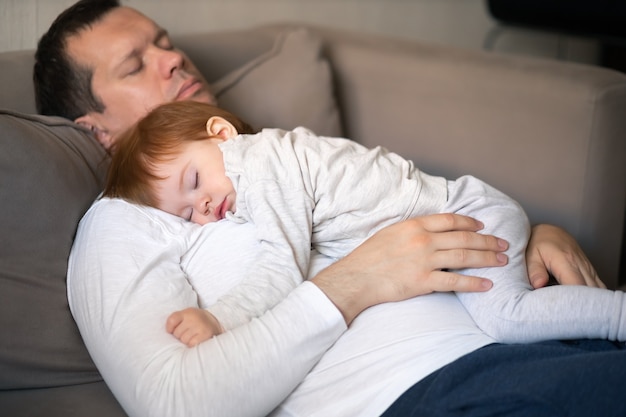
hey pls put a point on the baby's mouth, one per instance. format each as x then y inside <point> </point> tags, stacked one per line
<point>220,210</point>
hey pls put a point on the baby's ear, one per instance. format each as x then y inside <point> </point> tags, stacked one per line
<point>221,128</point>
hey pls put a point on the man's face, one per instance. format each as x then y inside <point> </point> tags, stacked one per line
<point>135,68</point>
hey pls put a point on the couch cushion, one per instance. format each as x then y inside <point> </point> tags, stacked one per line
<point>92,400</point>
<point>50,172</point>
<point>286,87</point>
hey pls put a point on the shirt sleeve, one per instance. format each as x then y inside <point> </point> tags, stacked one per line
<point>125,278</point>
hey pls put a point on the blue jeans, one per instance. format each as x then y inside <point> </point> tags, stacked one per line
<point>570,378</point>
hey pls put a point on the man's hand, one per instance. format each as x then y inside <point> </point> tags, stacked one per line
<point>553,250</point>
<point>411,258</point>
<point>193,326</point>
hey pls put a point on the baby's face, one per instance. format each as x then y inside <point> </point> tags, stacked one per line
<point>195,186</point>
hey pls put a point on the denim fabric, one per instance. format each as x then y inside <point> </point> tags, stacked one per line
<point>569,378</point>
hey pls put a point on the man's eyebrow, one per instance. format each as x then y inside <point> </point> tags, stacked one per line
<point>161,33</point>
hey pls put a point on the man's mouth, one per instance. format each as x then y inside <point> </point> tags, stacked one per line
<point>188,89</point>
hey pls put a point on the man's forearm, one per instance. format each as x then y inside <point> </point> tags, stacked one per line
<point>408,259</point>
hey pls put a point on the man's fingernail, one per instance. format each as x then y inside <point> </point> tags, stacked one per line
<point>502,258</point>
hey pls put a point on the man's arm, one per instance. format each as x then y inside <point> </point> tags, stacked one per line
<point>425,247</point>
<point>409,259</point>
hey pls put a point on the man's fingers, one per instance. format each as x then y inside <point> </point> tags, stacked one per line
<point>442,281</point>
<point>551,249</point>
<point>467,240</point>
<point>598,283</point>
<point>590,275</point>
<point>467,258</point>
<point>537,272</point>
<point>446,222</point>
<point>577,273</point>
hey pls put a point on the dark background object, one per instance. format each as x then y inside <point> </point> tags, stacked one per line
<point>604,20</point>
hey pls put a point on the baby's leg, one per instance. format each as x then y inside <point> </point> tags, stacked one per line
<point>512,312</point>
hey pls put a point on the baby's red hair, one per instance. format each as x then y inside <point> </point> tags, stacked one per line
<point>155,139</point>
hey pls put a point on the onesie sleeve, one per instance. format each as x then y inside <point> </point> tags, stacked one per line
<point>282,214</point>
<point>125,278</point>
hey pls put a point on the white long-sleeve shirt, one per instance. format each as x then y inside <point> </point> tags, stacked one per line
<point>131,266</point>
<point>299,189</point>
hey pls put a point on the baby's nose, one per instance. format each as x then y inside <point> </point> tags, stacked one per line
<point>203,206</point>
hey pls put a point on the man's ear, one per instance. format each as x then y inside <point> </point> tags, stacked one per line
<point>101,135</point>
<point>218,127</point>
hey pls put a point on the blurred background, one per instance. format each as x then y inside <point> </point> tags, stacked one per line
<point>518,27</point>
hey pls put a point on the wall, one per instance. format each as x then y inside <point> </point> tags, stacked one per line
<point>463,23</point>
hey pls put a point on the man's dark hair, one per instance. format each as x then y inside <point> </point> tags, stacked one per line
<point>62,86</point>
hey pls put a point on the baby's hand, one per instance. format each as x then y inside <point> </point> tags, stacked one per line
<point>193,326</point>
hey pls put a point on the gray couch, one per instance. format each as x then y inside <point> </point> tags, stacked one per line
<point>550,134</point>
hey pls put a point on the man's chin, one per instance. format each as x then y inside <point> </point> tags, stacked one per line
<point>205,97</point>
<point>200,97</point>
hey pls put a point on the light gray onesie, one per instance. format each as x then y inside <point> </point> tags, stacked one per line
<point>303,191</point>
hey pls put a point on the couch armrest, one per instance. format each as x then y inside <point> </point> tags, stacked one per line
<point>550,134</point>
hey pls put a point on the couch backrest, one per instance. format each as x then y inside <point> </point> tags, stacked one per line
<point>16,81</point>
<point>549,133</point>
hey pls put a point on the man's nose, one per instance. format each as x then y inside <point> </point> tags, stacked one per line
<point>170,61</point>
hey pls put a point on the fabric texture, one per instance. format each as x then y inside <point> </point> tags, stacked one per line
<point>78,400</point>
<point>286,87</point>
<point>122,286</point>
<point>301,190</point>
<point>51,170</point>
<point>128,283</point>
<point>578,378</point>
